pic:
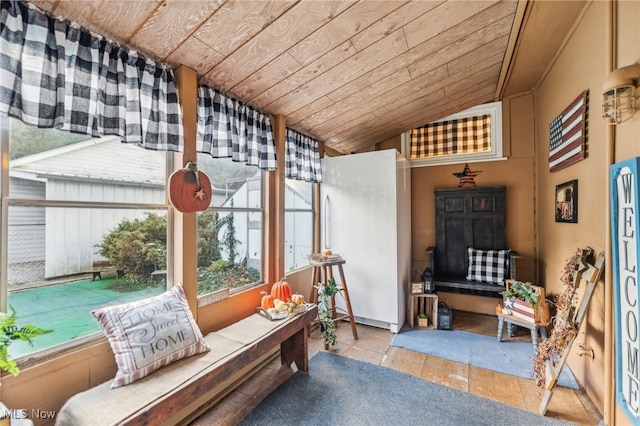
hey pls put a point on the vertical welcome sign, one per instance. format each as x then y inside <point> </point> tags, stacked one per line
<point>625,225</point>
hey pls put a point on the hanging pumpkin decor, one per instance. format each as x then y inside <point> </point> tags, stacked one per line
<point>281,290</point>
<point>189,189</point>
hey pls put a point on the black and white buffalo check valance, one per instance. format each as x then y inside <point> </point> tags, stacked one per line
<point>229,128</point>
<point>54,74</point>
<point>303,157</point>
<point>460,136</point>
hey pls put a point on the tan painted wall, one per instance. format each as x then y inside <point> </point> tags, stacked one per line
<point>517,173</point>
<point>580,65</point>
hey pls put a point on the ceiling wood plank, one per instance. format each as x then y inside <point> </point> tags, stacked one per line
<point>236,22</point>
<point>368,59</point>
<point>178,19</point>
<point>116,20</point>
<point>323,113</point>
<point>297,23</point>
<point>393,21</point>
<point>442,18</point>
<point>443,56</point>
<point>305,74</point>
<point>196,55</point>
<point>420,52</point>
<point>341,28</point>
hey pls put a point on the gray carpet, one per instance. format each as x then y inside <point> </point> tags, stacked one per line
<point>342,391</point>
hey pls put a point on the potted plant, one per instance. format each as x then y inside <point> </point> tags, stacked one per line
<point>423,320</point>
<point>521,291</point>
<point>9,332</point>
<point>525,301</point>
<point>325,311</point>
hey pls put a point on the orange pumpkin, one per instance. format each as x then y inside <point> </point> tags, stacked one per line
<point>267,301</point>
<point>281,290</point>
<point>190,189</point>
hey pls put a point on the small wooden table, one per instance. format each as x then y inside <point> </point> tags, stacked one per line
<point>511,320</point>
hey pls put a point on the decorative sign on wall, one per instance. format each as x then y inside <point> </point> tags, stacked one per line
<point>625,225</point>
<point>466,176</point>
<point>567,134</point>
<point>567,202</point>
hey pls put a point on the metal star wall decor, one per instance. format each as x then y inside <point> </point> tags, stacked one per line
<point>467,176</point>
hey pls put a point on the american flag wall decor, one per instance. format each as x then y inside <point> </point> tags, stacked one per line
<point>567,134</point>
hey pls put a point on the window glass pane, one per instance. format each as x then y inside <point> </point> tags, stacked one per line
<point>298,223</point>
<point>63,225</point>
<point>232,182</point>
<point>230,232</point>
<point>51,254</point>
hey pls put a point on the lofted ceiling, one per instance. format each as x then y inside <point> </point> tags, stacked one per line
<point>348,73</point>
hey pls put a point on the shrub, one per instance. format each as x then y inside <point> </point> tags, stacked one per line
<point>137,246</point>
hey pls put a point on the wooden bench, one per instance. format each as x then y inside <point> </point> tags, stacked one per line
<point>459,284</point>
<point>179,392</point>
<point>100,266</point>
<point>468,217</point>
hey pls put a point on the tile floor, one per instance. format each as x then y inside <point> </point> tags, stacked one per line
<point>374,346</point>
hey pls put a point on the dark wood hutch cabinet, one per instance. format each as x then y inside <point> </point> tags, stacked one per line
<point>467,217</point>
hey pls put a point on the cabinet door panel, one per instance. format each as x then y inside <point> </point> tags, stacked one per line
<point>467,217</point>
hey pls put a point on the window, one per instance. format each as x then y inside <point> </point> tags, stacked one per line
<point>469,136</point>
<point>230,231</point>
<point>298,219</point>
<point>67,197</point>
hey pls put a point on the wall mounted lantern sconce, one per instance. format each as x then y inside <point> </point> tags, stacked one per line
<point>619,94</point>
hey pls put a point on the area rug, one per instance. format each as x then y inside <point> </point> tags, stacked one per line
<point>509,356</point>
<point>343,391</point>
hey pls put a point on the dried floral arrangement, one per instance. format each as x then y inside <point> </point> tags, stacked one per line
<point>564,328</point>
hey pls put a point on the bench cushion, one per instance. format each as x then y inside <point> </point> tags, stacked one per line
<point>150,333</point>
<point>237,344</point>
<point>488,266</point>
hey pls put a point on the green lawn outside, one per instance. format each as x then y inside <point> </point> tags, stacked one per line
<point>66,309</point>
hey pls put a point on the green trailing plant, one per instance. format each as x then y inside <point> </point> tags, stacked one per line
<point>522,291</point>
<point>9,332</point>
<point>325,314</point>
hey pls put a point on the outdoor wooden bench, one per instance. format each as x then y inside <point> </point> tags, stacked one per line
<point>179,392</point>
<point>100,266</point>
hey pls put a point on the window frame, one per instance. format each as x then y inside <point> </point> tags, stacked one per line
<point>7,201</point>
<point>214,296</point>
<point>494,109</point>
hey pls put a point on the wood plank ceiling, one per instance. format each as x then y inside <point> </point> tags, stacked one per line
<point>348,73</point>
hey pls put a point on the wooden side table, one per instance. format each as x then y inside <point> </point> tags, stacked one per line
<point>511,320</point>
<point>323,272</point>
<point>426,303</point>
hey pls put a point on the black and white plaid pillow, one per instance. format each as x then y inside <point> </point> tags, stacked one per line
<point>488,266</point>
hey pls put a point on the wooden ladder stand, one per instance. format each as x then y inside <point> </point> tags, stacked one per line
<point>591,273</point>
